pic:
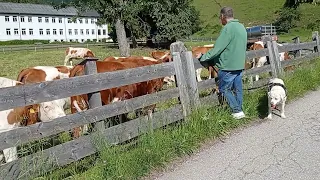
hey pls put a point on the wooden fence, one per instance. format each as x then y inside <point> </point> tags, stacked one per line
<point>187,90</point>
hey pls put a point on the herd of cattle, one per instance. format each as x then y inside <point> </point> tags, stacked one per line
<point>47,111</point>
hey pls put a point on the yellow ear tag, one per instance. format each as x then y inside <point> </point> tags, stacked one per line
<point>32,111</point>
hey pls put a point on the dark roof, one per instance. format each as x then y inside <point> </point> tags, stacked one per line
<point>40,9</point>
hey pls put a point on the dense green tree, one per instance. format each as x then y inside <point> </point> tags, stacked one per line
<point>296,3</point>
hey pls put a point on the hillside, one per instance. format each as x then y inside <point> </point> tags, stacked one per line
<point>255,12</point>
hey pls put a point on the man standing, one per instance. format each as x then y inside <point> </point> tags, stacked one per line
<point>229,54</point>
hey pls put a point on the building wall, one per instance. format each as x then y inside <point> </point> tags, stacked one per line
<point>23,28</point>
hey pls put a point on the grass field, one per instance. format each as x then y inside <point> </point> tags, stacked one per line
<point>256,12</point>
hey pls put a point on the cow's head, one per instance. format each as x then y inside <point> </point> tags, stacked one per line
<point>24,116</point>
<point>51,110</point>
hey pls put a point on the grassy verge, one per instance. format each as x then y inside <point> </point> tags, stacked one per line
<point>156,150</point>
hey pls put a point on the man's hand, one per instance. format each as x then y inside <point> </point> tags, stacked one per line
<point>198,56</point>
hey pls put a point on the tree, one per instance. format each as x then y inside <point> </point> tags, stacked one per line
<point>296,3</point>
<point>171,19</point>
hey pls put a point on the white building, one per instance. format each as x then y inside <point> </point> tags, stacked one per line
<point>34,21</point>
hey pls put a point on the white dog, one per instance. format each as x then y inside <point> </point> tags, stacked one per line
<point>277,96</point>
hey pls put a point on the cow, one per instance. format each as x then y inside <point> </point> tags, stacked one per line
<point>77,53</point>
<point>16,117</point>
<point>51,109</point>
<point>167,79</point>
<point>80,103</point>
<point>258,61</point>
<point>165,55</point>
<point>213,71</point>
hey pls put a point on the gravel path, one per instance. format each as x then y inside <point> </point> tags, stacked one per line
<point>275,149</point>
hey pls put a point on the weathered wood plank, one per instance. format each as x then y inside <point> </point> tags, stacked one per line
<point>182,84</point>
<point>212,99</point>
<point>16,137</point>
<point>297,53</point>
<point>315,37</point>
<point>272,59</point>
<point>206,84</point>
<point>277,59</point>
<point>257,53</point>
<point>75,150</point>
<point>259,70</point>
<point>11,97</point>
<point>94,98</point>
<point>299,60</point>
<point>293,47</point>
<point>190,75</point>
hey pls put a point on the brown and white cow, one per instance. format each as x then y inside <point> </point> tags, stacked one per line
<point>165,55</point>
<point>167,79</point>
<point>51,109</point>
<point>16,117</point>
<point>77,53</point>
<point>80,103</point>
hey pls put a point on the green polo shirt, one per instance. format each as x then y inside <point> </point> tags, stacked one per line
<point>229,52</point>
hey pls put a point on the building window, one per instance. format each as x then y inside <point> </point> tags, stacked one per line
<point>70,31</point>
<point>16,32</point>
<point>53,20</point>
<point>54,32</point>
<point>22,19</point>
<point>30,31</point>
<point>8,31</point>
<point>46,19</point>
<point>41,31</point>
<point>92,31</point>
<point>15,19</point>
<point>80,21</point>
<point>92,21</point>
<point>61,31</point>
<point>87,31</point>
<point>7,18</point>
<point>82,40</point>
<point>69,20</point>
<point>99,31</point>
<point>60,20</point>
<point>76,32</point>
<point>61,40</point>
<point>23,31</point>
<point>81,31</point>
<point>39,19</point>
<point>29,19</point>
<point>87,21</point>
<point>48,31</point>
<point>77,40</point>
<point>104,32</point>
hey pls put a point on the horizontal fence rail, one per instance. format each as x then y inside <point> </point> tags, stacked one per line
<point>186,90</point>
<point>29,94</point>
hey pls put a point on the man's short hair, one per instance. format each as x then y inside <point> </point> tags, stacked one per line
<point>227,12</point>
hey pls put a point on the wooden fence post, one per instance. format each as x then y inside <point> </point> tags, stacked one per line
<point>190,75</point>
<point>94,98</point>
<point>185,77</point>
<point>277,59</point>
<point>297,53</point>
<point>182,84</point>
<point>315,37</point>
<point>272,57</point>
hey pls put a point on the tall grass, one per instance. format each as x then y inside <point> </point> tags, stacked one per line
<point>153,151</point>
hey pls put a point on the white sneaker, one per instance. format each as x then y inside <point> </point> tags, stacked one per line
<point>238,115</point>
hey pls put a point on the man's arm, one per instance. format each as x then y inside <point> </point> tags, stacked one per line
<point>221,43</point>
